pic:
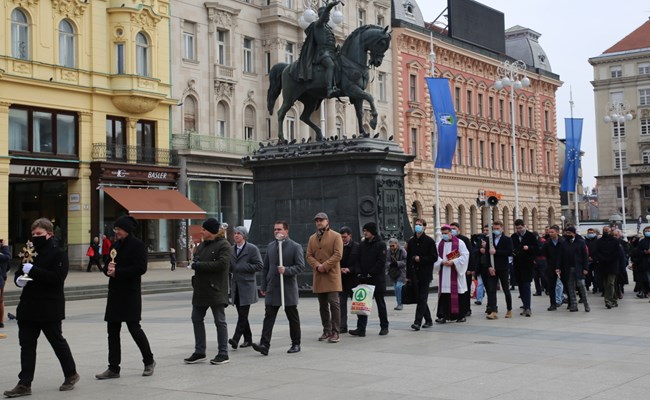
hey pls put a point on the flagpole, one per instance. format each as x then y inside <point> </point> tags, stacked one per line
<point>434,145</point>
<point>575,195</point>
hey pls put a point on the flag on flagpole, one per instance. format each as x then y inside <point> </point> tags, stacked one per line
<point>443,109</point>
<point>573,133</point>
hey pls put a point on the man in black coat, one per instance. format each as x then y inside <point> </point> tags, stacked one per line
<point>471,266</point>
<point>349,262</point>
<point>575,266</point>
<point>608,256</point>
<point>421,253</point>
<point>524,248</point>
<point>499,272</point>
<point>552,251</point>
<point>124,302</point>
<point>42,308</point>
<point>372,265</point>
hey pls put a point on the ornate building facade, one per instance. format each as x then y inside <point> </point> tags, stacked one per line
<point>483,158</point>
<point>84,105</point>
<point>222,53</point>
<point>622,75</point>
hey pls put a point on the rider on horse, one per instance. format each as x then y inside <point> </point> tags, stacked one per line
<point>319,48</point>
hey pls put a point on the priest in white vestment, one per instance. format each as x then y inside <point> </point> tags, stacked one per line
<point>453,258</point>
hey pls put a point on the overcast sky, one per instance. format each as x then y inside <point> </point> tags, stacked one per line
<point>571,31</point>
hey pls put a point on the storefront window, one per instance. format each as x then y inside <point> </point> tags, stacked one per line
<point>205,194</point>
<point>42,131</point>
<point>18,130</point>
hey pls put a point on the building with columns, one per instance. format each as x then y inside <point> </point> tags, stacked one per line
<point>483,158</point>
<point>85,90</point>
<point>622,75</point>
<point>221,55</point>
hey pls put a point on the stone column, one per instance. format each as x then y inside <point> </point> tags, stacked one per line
<point>636,202</point>
<point>131,140</point>
<point>4,170</point>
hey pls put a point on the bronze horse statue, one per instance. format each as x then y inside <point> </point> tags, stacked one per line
<point>351,79</point>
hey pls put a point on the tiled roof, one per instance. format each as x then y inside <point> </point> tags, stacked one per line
<point>638,39</point>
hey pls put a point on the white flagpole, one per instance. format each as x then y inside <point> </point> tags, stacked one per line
<point>575,195</point>
<point>280,239</point>
<point>434,145</point>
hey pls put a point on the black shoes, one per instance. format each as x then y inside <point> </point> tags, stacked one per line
<point>295,348</point>
<point>195,358</point>
<point>108,374</point>
<point>551,308</point>
<point>537,294</point>
<point>415,327</point>
<point>461,319</point>
<point>233,344</point>
<point>478,302</point>
<point>383,332</point>
<point>246,344</point>
<point>427,324</point>
<point>343,330</point>
<point>148,369</point>
<point>440,320</point>
<point>69,382</point>
<point>260,348</point>
<point>18,391</point>
<point>220,359</point>
<point>357,332</point>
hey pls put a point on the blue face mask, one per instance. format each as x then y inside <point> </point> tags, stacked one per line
<point>419,229</point>
<point>454,232</point>
<point>646,234</point>
<point>592,235</point>
<point>497,232</point>
<point>445,236</point>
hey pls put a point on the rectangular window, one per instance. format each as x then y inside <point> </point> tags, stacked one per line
<point>289,52</point>
<point>504,164</point>
<point>413,87</point>
<point>380,20</point>
<point>493,155</point>
<point>645,126</point>
<point>479,104</point>
<point>267,62</point>
<point>646,191</point>
<point>288,3</point>
<point>521,115</point>
<point>481,154</point>
<point>361,17</point>
<point>548,163</point>
<point>532,161</point>
<point>644,68</point>
<point>414,142</point>
<point>42,131</point>
<point>459,151</point>
<point>115,139</point>
<point>189,46</point>
<point>291,127</point>
<point>457,99</point>
<point>381,83</point>
<point>619,128</point>
<point>470,152</point>
<point>644,97</point>
<point>119,58</point>
<point>645,157</point>
<point>268,129</point>
<point>491,107</point>
<point>501,110</point>
<point>546,121</point>
<point>618,192</point>
<point>146,141</point>
<point>222,37</point>
<point>522,163</point>
<point>248,55</point>
<point>615,71</point>
<point>622,160</point>
<point>469,102</point>
<point>530,117</point>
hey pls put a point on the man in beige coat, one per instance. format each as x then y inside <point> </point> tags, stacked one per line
<point>324,252</point>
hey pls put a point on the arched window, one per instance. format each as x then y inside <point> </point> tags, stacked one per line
<point>189,114</point>
<point>222,119</point>
<point>19,34</point>
<point>449,214</point>
<point>142,55</point>
<point>249,123</point>
<point>340,127</point>
<point>66,44</point>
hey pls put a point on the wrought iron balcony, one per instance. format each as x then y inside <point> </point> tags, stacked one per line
<point>132,154</point>
<point>195,141</point>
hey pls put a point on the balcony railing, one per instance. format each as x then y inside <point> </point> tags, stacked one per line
<point>194,141</point>
<point>224,72</point>
<point>132,154</point>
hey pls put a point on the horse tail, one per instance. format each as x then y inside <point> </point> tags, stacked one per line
<point>275,85</point>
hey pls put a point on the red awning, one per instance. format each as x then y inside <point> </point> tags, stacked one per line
<point>155,203</point>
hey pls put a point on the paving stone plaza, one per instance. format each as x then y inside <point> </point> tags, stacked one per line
<point>603,354</point>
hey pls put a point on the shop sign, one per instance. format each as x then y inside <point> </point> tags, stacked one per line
<point>43,171</point>
<point>142,175</point>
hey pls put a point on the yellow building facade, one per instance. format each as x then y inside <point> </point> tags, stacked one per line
<point>85,90</point>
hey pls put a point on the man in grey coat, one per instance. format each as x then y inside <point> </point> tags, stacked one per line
<point>293,263</point>
<point>245,262</point>
<point>211,263</point>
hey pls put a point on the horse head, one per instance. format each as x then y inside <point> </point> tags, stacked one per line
<point>378,45</point>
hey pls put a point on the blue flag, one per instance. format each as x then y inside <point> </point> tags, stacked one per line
<point>573,133</point>
<point>443,109</point>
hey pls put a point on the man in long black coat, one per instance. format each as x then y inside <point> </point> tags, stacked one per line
<point>552,251</point>
<point>349,262</point>
<point>124,303</point>
<point>421,253</point>
<point>608,255</point>
<point>42,309</point>
<point>525,249</point>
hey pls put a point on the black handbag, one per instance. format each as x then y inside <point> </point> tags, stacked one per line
<point>409,293</point>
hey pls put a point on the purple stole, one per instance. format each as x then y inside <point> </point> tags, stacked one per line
<point>455,308</point>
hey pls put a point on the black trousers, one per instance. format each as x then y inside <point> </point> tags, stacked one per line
<point>444,306</point>
<point>115,348</point>
<point>28,333</point>
<point>468,300</point>
<point>422,310</point>
<point>539,277</point>
<point>91,261</point>
<point>362,320</point>
<point>490,283</point>
<point>270,313</point>
<point>552,278</point>
<point>343,302</point>
<point>243,327</point>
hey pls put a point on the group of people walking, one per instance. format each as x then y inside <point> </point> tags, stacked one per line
<point>226,274</point>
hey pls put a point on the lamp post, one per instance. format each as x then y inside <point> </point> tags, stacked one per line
<point>509,76</point>
<point>562,218</point>
<point>618,113</point>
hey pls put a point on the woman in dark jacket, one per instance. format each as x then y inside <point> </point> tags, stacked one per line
<point>94,258</point>
<point>128,262</point>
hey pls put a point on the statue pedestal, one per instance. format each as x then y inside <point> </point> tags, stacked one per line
<point>354,181</point>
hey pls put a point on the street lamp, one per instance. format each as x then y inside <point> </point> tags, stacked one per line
<point>562,218</point>
<point>509,75</point>
<point>618,113</point>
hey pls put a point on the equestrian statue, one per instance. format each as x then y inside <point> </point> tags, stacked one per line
<point>325,71</point>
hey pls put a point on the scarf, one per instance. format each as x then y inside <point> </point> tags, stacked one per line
<point>455,308</point>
